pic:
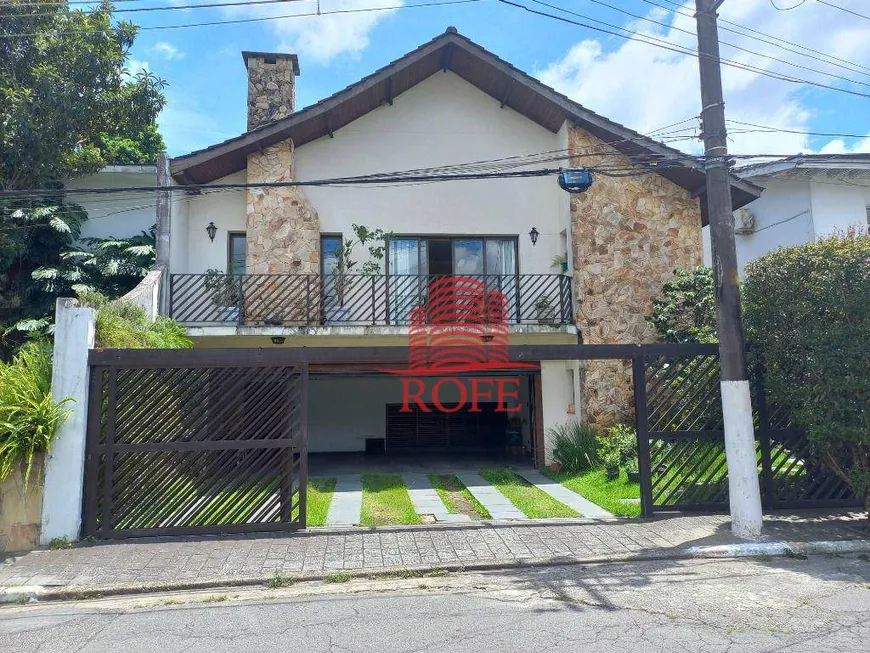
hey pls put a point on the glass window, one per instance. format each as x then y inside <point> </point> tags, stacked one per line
<point>330,248</point>
<point>468,256</point>
<point>237,261</point>
<point>501,256</point>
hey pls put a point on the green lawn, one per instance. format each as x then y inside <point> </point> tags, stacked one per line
<point>386,501</point>
<point>319,497</point>
<point>525,496</point>
<point>594,486</point>
<point>452,491</point>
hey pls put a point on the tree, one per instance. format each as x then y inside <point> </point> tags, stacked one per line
<point>68,107</point>
<point>686,311</point>
<point>64,88</point>
<point>808,310</point>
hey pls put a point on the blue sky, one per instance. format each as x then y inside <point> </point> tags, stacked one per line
<point>641,86</point>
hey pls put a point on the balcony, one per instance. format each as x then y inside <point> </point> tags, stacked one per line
<point>366,300</point>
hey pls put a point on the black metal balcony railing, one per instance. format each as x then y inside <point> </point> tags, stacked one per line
<point>355,299</point>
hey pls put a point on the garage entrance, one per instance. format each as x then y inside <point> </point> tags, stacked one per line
<point>364,413</point>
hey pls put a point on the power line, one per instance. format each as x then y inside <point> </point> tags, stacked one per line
<point>838,7</point>
<point>778,8</point>
<point>666,45</point>
<point>768,128</point>
<point>123,10</point>
<point>262,18</point>
<point>721,42</point>
<point>776,40</point>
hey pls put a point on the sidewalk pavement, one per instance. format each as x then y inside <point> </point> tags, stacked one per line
<point>152,564</point>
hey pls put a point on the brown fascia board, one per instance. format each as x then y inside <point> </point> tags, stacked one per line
<point>236,149</point>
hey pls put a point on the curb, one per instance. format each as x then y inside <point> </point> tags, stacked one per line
<point>34,593</point>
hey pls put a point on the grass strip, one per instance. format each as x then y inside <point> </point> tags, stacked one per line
<point>386,501</point>
<point>320,491</point>
<point>609,495</point>
<point>446,485</point>
<point>534,503</point>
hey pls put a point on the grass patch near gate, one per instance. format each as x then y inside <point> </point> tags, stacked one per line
<point>386,501</point>
<point>320,491</point>
<point>534,503</point>
<point>609,495</point>
<point>456,497</point>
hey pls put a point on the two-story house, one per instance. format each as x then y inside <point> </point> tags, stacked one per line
<point>279,266</point>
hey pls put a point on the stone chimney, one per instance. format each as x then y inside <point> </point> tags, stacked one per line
<point>271,86</point>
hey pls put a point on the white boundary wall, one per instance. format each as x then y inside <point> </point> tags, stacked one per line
<point>75,328</point>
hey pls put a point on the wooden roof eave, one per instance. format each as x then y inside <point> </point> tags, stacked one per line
<point>438,54</point>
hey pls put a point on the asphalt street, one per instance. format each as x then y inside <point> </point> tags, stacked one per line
<point>816,604</point>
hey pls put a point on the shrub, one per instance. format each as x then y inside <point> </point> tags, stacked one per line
<point>622,439</point>
<point>575,446</point>
<point>686,310</point>
<point>29,417</point>
<point>124,325</point>
<point>807,309</point>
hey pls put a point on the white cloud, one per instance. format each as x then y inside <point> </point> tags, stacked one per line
<point>315,38</point>
<point>167,51</point>
<point>646,87</point>
<point>135,66</point>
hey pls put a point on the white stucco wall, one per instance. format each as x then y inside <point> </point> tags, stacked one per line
<point>225,208</point>
<point>442,121</point>
<point>838,206</point>
<point>795,211</point>
<point>558,385</point>
<point>363,410</point>
<point>117,215</point>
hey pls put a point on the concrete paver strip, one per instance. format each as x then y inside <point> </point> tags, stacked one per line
<point>426,500</point>
<point>498,505</point>
<point>346,506</point>
<point>559,492</point>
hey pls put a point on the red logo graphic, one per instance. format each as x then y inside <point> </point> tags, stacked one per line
<point>460,329</point>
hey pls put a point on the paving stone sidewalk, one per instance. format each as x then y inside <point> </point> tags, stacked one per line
<point>188,562</point>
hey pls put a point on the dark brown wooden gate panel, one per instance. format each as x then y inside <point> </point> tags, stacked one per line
<point>186,448</point>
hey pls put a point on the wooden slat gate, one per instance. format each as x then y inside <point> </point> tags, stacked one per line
<point>681,438</point>
<point>194,446</point>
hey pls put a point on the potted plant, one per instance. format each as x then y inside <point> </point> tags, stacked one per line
<point>546,312</point>
<point>560,262</point>
<point>225,295</point>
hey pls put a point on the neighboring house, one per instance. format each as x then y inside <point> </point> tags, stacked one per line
<point>116,215</point>
<point>274,253</point>
<point>805,197</point>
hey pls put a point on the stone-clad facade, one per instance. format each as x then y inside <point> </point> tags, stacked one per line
<point>271,86</point>
<point>628,235</point>
<point>283,228</point>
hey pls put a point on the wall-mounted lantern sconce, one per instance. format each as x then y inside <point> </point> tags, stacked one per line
<point>533,234</point>
<point>211,230</point>
<point>278,340</point>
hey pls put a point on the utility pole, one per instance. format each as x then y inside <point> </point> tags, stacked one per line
<point>743,486</point>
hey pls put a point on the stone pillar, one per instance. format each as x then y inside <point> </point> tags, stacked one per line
<point>629,234</point>
<point>271,86</point>
<point>65,466</point>
<point>283,237</point>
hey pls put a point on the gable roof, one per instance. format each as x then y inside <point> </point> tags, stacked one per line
<point>473,63</point>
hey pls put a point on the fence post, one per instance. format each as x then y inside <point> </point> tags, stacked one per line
<point>374,301</point>
<point>638,366</point>
<point>75,329</point>
<point>241,311</point>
